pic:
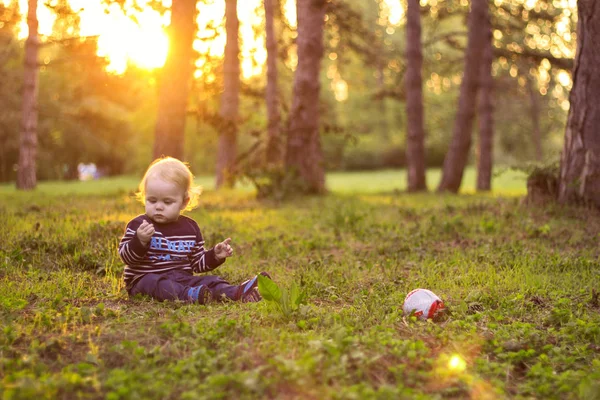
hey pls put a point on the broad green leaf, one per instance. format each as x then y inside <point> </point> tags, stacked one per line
<point>268,289</point>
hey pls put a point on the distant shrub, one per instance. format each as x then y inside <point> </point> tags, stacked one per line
<point>386,157</point>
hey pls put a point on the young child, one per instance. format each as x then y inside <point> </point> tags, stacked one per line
<point>162,248</point>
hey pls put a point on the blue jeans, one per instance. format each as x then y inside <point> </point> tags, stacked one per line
<point>174,285</point>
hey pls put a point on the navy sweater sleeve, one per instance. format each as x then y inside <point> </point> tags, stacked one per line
<point>131,250</point>
<point>203,260</point>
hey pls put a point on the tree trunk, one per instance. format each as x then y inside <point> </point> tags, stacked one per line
<point>380,69</point>
<point>536,134</point>
<point>230,99</point>
<point>274,153</point>
<point>458,153</point>
<point>486,115</point>
<point>381,105</point>
<point>175,78</point>
<point>580,160</point>
<point>304,154</point>
<point>415,149</point>
<point>26,174</point>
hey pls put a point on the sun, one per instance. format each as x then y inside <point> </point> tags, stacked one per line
<point>139,38</point>
<point>142,43</point>
<point>124,41</point>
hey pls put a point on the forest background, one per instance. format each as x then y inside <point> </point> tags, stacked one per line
<point>519,282</point>
<point>97,107</point>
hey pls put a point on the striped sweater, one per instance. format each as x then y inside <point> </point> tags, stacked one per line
<point>174,246</point>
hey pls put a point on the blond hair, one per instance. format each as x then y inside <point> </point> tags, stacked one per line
<point>175,171</point>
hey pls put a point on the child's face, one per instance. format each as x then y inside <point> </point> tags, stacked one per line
<point>164,200</point>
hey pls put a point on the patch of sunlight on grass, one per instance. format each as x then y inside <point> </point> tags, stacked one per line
<point>93,187</point>
<point>509,183</point>
<point>102,186</point>
<point>506,183</point>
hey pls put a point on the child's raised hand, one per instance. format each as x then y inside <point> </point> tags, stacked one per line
<point>145,232</point>
<point>223,249</point>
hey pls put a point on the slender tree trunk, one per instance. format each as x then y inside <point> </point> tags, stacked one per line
<point>226,152</point>
<point>381,67</point>
<point>175,79</point>
<point>381,105</point>
<point>274,153</point>
<point>26,174</point>
<point>536,134</point>
<point>415,149</point>
<point>458,153</point>
<point>486,116</point>
<point>304,154</point>
<point>580,161</point>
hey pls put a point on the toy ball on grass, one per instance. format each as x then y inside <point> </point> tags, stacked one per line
<point>423,302</point>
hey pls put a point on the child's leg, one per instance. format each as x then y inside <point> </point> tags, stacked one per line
<point>247,291</point>
<point>170,286</point>
<point>219,288</point>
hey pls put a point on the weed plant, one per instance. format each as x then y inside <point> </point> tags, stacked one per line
<point>520,284</point>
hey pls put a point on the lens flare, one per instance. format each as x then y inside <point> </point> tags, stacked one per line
<point>457,363</point>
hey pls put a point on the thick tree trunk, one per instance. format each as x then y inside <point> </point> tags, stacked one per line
<point>458,153</point>
<point>274,153</point>
<point>175,78</point>
<point>304,154</point>
<point>26,174</point>
<point>486,116</point>
<point>415,137</point>
<point>536,134</point>
<point>580,160</point>
<point>230,99</point>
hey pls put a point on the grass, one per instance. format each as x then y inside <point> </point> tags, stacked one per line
<point>508,183</point>
<point>520,284</point>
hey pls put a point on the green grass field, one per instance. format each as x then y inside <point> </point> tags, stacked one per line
<point>508,183</point>
<point>520,284</point>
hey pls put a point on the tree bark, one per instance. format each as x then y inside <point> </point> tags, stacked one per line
<point>415,137</point>
<point>175,78</point>
<point>26,174</point>
<point>226,152</point>
<point>274,153</point>
<point>486,116</point>
<point>304,155</point>
<point>580,160</point>
<point>458,153</point>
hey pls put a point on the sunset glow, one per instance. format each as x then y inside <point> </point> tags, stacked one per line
<point>121,40</point>
<point>143,42</point>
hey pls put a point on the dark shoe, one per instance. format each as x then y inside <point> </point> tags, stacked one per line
<point>199,294</point>
<point>248,290</point>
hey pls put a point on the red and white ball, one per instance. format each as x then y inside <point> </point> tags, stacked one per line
<point>423,302</point>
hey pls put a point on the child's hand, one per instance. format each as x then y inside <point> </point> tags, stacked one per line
<point>223,249</point>
<point>145,232</point>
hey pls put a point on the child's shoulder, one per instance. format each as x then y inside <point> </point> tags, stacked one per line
<point>140,218</point>
<point>137,220</point>
<point>187,221</point>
